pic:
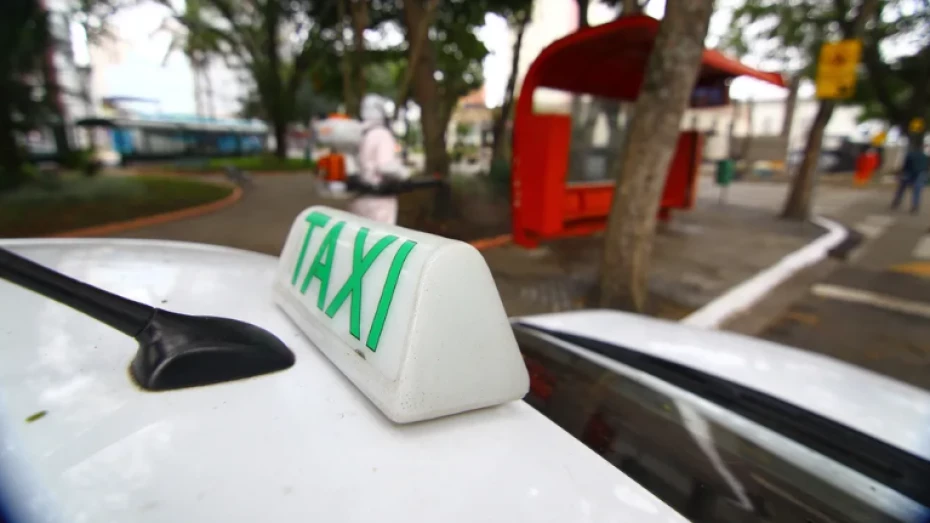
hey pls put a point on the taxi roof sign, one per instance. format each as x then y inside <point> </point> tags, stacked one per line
<point>412,319</point>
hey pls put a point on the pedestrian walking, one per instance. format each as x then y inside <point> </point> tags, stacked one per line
<point>914,176</point>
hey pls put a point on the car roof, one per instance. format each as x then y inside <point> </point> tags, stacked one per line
<point>80,441</point>
<point>883,408</point>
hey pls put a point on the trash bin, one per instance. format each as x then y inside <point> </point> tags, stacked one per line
<point>726,171</point>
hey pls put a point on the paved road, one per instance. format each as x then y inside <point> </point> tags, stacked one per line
<point>258,222</point>
<point>874,310</point>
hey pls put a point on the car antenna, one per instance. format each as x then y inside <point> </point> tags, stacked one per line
<point>175,350</point>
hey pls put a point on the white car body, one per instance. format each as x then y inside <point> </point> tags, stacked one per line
<point>80,442</point>
<point>882,408</point>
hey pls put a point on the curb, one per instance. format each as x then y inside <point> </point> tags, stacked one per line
<point>747,293</point>
<point>154,219</point>
<point>489,243</point>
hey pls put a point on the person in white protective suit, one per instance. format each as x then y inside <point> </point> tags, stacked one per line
<point>378,162</point>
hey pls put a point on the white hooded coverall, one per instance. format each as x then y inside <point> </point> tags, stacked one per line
<point>377,158</point>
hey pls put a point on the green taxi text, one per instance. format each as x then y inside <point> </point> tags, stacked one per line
<point>351,290</point>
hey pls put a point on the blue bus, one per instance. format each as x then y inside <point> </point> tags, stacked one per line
<point>167,137</point>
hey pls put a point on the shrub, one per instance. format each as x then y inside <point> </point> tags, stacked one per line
<point>499,176</point>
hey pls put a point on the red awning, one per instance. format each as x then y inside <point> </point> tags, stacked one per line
<point>609,60</point>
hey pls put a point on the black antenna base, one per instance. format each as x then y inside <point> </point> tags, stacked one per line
<point>179,351</point>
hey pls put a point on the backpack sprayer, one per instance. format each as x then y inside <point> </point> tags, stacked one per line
<point>339,170</point>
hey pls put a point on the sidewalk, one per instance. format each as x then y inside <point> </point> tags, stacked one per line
<point>701,254</point>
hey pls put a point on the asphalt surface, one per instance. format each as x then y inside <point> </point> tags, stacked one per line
<point>259,222</point>
<point>873,310</point>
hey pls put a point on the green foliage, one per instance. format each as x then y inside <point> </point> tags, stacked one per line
<point>94,16</point>
<point>24,36</point>
<point>414,135</point>
<point>462,152</point>
<point>75,202</point>
<point>195,39</point>
<point>272,42</point>
<point>787,33</point>
<point>892,88</point>
<point>81,160</point>
<point>259,163</point>
<point>462,130</point>
<point>895,84</point>
<point>499,176</point>
<point>459,56</point>
<point>384,72</point>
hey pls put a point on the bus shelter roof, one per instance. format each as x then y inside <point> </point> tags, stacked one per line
<point>609,61</point>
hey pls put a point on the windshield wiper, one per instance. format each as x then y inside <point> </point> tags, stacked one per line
<point>175,350</point>
<point>898,469</point>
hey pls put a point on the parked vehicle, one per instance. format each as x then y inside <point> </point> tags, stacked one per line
<point>723,427</point>
<point>325,432</point>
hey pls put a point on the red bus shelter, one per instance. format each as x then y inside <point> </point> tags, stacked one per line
<point>606,61</point>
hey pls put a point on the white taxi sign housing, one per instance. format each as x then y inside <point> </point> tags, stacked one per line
<point>412,319</point>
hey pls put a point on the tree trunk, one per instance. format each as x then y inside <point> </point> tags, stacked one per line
<point>583,13</point>
<point>500,123</point>
<point>613,110</point>
<point>417,41</point>
<point>647,152</point>
<point>274,99</point>
<point>426,91</point>
<point>746,165</point>
<point>53,102</point>
<point>208,91</point>
<point>358,13</point>
<point>798,204</point>
<point>198,90</point>
<point>405,148</point>
<point>788,122</point>
<point>11,158</point>
<point>631,7</point>
<point>350,98</point>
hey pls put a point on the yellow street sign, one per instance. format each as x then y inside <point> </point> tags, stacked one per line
<point>836,69</point>
<point>917,125</point>
<point>879,139</point>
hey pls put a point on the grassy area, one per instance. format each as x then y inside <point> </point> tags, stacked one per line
<point>75,202</point>
<point>248,163</point>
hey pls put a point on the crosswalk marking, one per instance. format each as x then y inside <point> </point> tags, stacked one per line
<point>874,299</point>
<point>868,230</point>
<point>922,250</point>
<point>880,220</point>
<point>874,225</point>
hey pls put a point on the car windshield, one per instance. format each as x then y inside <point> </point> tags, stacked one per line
<point>876,459</point>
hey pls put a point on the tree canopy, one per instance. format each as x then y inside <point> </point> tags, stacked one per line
<point>24,37</point>
<point>896,48</point>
